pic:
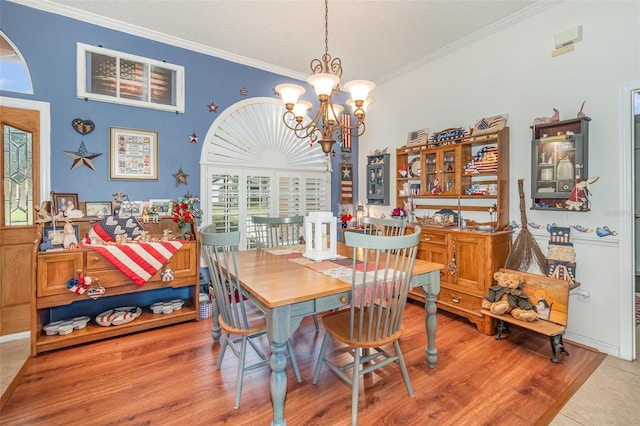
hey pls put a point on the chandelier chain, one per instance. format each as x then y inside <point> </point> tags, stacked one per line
<point>326,27</point>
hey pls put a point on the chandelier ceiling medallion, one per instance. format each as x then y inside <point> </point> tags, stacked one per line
<point>326,125</point>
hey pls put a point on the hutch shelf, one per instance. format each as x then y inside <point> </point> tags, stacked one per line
<point>55,268</point>
<point>472,172</point>
<point>559,160</point>
<point>378,179</point>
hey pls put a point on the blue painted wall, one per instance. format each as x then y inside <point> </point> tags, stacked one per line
<point>48,44</point>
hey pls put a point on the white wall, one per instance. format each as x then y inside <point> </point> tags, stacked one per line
<point>512,71</point>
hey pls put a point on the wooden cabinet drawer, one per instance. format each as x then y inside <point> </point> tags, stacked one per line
<point>459,300</point>
<point>428,236</point>
<point>55,269</point>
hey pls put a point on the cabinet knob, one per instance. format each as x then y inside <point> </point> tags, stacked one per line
<point>96,258</point>
<point>343,299</point>
<point>455,299</point>
<point>428,237</point>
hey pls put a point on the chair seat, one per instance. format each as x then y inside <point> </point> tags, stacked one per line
<point>337,324</point>
<point>256,321</point>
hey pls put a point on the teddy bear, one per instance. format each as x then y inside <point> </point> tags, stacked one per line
<point>508,297</point>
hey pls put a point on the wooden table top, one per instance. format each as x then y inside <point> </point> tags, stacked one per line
<point>277,281</point>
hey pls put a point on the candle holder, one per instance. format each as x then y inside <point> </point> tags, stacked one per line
<point>321,236</point>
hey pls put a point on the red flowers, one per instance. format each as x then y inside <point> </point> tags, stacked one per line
<point>185,210</point>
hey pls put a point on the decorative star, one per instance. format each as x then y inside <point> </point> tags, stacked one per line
<point>244,91</point>
<point>193,138</point>
<point>346,172</point>
<point>213,107</point>
<point>82,157</point>
<point>181,177</point>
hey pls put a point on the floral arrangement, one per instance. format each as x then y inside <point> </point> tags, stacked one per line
<point>345,215</point>
<point>399,212</point>
<point>186,210</point>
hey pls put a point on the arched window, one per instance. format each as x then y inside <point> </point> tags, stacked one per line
<point>15,74</point>
<point>253,165</point>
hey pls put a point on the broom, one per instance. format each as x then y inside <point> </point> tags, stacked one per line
<point>525,249</point>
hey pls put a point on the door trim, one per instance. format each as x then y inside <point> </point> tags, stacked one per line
<point>627,230</point>
<point>45,138</point>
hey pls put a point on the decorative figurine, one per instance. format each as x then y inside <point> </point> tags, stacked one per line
<point>145,214</point>
<point>578,198</point>
<point>70,241</point>
<point>155,214</point>
<point>543,120</point>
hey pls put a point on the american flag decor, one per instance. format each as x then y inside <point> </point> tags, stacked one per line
<point>346,143</point>
<point>138,261</point>
<point>490,124</point>
<point>346,183</point>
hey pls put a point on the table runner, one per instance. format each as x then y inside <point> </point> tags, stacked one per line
<point>341,268</point>
<point>138,261</point>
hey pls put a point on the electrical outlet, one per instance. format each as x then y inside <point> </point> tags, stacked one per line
<point>585,295</point>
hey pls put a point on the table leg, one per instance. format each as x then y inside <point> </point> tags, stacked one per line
<point>278,382</point>
<point>216,331</point>
<point>430,324</point>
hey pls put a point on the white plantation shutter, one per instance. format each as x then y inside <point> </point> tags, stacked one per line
<point>224,202</point>
<point>317,197</point>
<point>289,196</point>
<point>253,165</point>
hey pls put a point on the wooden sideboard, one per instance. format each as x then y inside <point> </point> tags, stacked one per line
<point>54,269</point>
<point>470,259</point>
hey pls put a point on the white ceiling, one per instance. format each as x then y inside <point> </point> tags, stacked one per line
<point>375,39</point>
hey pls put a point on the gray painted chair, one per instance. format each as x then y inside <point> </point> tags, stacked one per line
<point>277,232</point>
<point>386,227</point>
<point>241,321</point>
<point>374,318</point>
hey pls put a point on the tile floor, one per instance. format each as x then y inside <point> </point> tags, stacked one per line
<point>610,396</point>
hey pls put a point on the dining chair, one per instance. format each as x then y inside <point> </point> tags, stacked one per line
<point>240,319</point>
<point>379,286</point>
<point>386,227</point>
<point>279,232</point>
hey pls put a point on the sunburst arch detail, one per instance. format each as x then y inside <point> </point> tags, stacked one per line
<point>251,133</point>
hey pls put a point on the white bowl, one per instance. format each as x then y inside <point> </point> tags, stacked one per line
<point>167,308</point>
<point>52,328</point>
<point>177,304</point>
<point>65,329</point>
<point>157,309</point>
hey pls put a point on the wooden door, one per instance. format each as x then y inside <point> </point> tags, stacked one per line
<point>20,163</point>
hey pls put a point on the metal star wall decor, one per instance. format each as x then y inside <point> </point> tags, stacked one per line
<point>213,107</point>
<point>82,157</point>
<point>193,138</point>
<point>181,177</point>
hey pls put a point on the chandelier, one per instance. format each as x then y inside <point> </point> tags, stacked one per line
<point>326,125</point>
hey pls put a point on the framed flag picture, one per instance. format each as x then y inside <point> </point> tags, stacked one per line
<point>346,183</point>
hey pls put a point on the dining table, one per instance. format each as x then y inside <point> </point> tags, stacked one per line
<point>287,287</point>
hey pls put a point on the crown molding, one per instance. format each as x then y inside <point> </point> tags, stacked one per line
<point>113,24</point>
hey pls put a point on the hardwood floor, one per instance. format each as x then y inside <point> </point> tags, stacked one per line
<point>168,376</point>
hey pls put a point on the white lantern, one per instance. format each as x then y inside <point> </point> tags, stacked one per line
<point>321,236</point>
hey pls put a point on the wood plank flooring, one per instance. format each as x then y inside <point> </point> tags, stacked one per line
<point>168,376</point>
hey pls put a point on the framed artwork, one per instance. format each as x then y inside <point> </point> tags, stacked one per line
<point>165,207</point>
<point>111,76</point>
<point>131,208</point>
<point>133,154</point>
<point>97,208</point>
<point>64,203</point>
<point>56,235</point>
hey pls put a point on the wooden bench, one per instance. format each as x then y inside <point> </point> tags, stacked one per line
<point>551,297</point>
